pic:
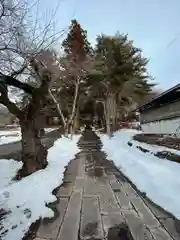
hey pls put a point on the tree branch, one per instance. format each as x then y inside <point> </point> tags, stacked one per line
<point>9,80</point>
<point>10,106</point>
<point>19,71</point>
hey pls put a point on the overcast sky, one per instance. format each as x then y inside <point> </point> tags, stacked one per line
<point>154,25</point>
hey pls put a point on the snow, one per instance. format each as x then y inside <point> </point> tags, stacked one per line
<point>15,135</point>
<point>26,199</point>
<point>8,139</point>
<point>10,136</point>
<point>158,178</point>
<point>49,129</point>
<point>8,169</point>
<point>155,148</point>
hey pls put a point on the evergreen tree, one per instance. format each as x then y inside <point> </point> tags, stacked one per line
<point>76,43</point>
<point>76,64</point>
<point>121,77</point>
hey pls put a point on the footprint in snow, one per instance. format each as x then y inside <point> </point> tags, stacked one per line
<point>27,212</point>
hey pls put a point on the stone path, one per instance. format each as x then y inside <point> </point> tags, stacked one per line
<point>97,202</point>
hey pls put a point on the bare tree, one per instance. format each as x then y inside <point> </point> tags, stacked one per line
<point>21,46</point>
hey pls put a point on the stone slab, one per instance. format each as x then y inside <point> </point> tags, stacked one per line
<point>108,202</point>
<point>172,226</point>
<point>90,186</point>
<point>81,166</point>
<point>160,234</point>
<point>91,226</point>
<point>70,227</point>
<point>138,229</point>
<point>102,180</point>
<point>158,212</point>
<point>111,220</point>
<point>144,212</point>
<point>111,177</point>
<point>49,229</point>
<point>100,175</point>
<point>129,190</point>
<point>79,183</point>
<point>65,190</point>
<point>123,200</point>
<point>71,172</point>
<point>116,186</point>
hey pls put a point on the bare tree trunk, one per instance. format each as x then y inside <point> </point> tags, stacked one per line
<point>76,119</point>
<point>70,121</point>
<point>58,108</point>
<point>66,131</point>
<point>108,125</point>
<point>107,117</point>
<point>34,154</point>
<point>111,113</point>
<point>71,129</point>
<point>101,121</point>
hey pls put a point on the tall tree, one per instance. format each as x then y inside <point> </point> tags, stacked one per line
<point>122,74</point>
<point>76,42</point>
<point>76,63</point>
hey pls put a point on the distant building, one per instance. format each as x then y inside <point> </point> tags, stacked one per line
<point>161,114</point>
<point>48,117</point>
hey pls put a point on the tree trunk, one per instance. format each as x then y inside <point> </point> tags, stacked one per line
<point>76,119</point>
<point>34,154</point>
<point>74,107</point>
<point>111,113</point>
<point>107,117</point>
<point>58,108</point>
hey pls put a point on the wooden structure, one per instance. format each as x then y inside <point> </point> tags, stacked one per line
<point>162,114</point>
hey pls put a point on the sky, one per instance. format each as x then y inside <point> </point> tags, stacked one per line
<point>154,25</point>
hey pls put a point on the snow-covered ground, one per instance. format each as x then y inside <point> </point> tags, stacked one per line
<point>158,178</point>
<point>14,135</point>
<point>154,148</point>
<point>7,136</point>
<point>25,201</point>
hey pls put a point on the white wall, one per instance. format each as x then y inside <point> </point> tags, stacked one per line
<point>170,126</point>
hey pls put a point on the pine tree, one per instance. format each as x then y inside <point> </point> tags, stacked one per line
<point>76,43</point>
<point>122,75</point>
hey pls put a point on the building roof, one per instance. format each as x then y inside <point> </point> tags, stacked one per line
<point>170,95</point>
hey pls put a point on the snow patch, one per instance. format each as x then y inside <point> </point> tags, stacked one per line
<point>10,136</point>
<point>26,200</point>
<point>8,169</point>
<point>14,135</point>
